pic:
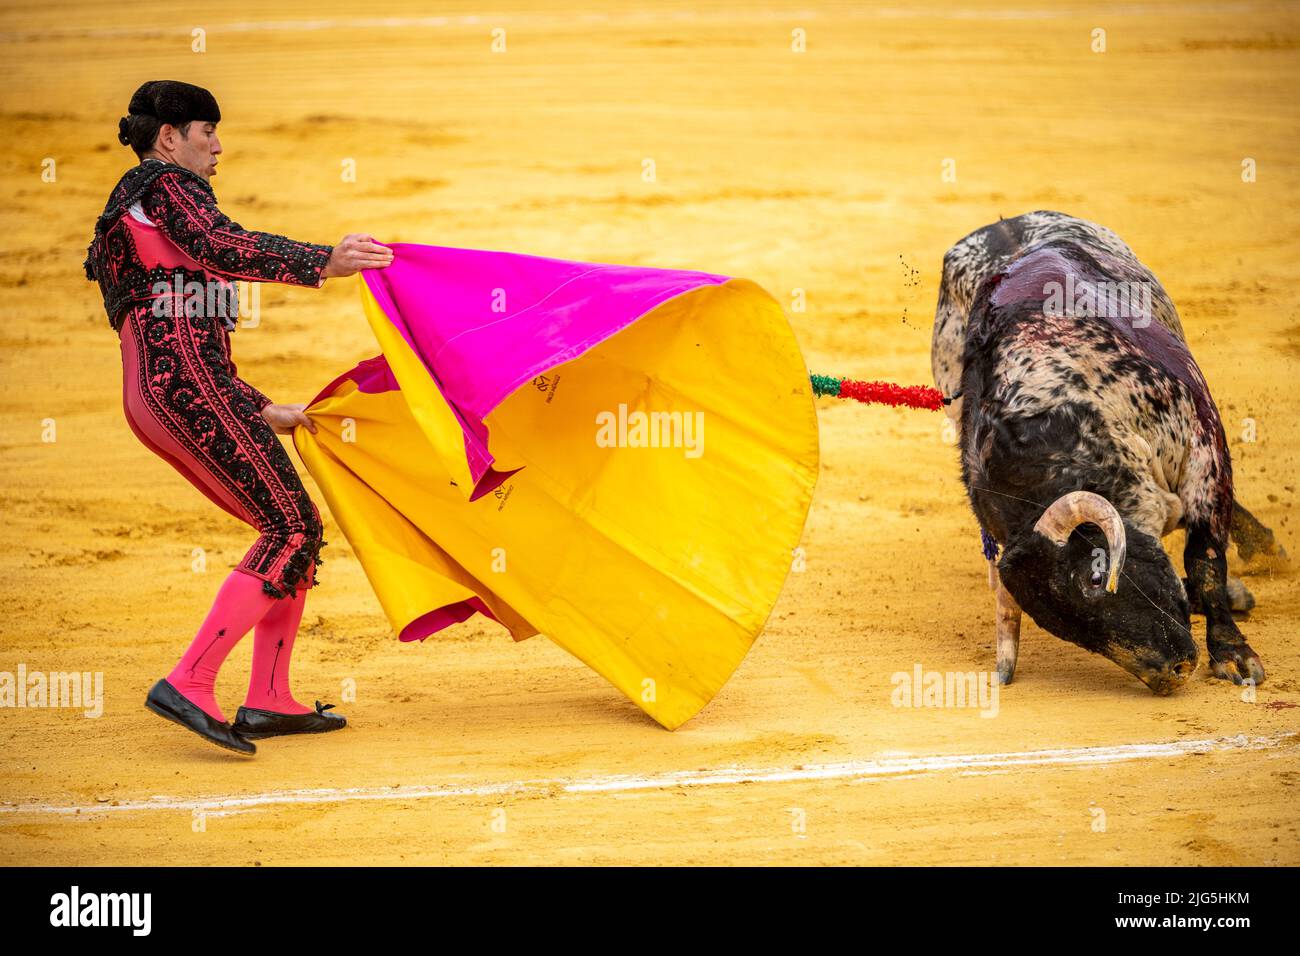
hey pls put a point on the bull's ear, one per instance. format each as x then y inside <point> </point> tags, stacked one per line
<point>1017,554</point>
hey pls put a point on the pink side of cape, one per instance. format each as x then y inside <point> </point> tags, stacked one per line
<point>484,323</point>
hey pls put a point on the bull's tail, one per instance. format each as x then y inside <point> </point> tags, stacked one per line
<point>1251,537</point>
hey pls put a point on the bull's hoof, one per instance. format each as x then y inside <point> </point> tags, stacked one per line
<point>1237,664</point>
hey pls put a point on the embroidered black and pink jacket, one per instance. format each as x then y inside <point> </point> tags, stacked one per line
<point>161,223</point>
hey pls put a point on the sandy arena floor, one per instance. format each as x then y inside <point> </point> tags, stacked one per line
<point>818,171</point>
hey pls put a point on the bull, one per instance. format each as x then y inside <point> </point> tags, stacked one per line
<point>1088,433</point>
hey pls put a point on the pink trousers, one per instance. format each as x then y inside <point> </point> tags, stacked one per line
<point>185,402</point>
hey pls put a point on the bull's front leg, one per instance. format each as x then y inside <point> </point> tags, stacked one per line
<point>1204,558</point>
<point>1008,626</point>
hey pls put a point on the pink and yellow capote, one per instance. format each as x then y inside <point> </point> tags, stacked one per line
<point>463,463</point>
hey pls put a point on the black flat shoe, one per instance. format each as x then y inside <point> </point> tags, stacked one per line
<point>256,724</point>
<point>166,701</point>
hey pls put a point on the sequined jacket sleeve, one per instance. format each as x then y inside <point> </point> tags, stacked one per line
<point>186,212</point>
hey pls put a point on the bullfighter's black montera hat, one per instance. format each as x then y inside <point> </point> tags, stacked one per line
<point>174,102</point>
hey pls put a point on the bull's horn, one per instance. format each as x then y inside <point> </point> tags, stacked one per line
<point>1079,507</point>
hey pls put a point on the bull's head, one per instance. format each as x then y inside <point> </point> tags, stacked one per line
<point>1124,602</point>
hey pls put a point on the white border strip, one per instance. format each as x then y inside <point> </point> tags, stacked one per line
<point>854,770</point>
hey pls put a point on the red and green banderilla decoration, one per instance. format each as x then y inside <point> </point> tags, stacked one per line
<point>879,393</point>
<point>887,393</point>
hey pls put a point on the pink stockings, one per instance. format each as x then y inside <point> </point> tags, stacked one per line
<point>241,604</point>
<point>268,687</point>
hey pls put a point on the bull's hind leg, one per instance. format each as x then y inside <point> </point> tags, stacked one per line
<point>1008,626</point>
<point>1240,600</point>
<point>1252,538</point>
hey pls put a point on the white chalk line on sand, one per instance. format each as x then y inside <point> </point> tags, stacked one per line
<point>881,768</point>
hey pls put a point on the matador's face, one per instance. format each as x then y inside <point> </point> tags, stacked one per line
<point>197,151</point>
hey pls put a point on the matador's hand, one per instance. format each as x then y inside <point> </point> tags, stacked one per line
<point>284,418</point>
<point>354,253</point>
